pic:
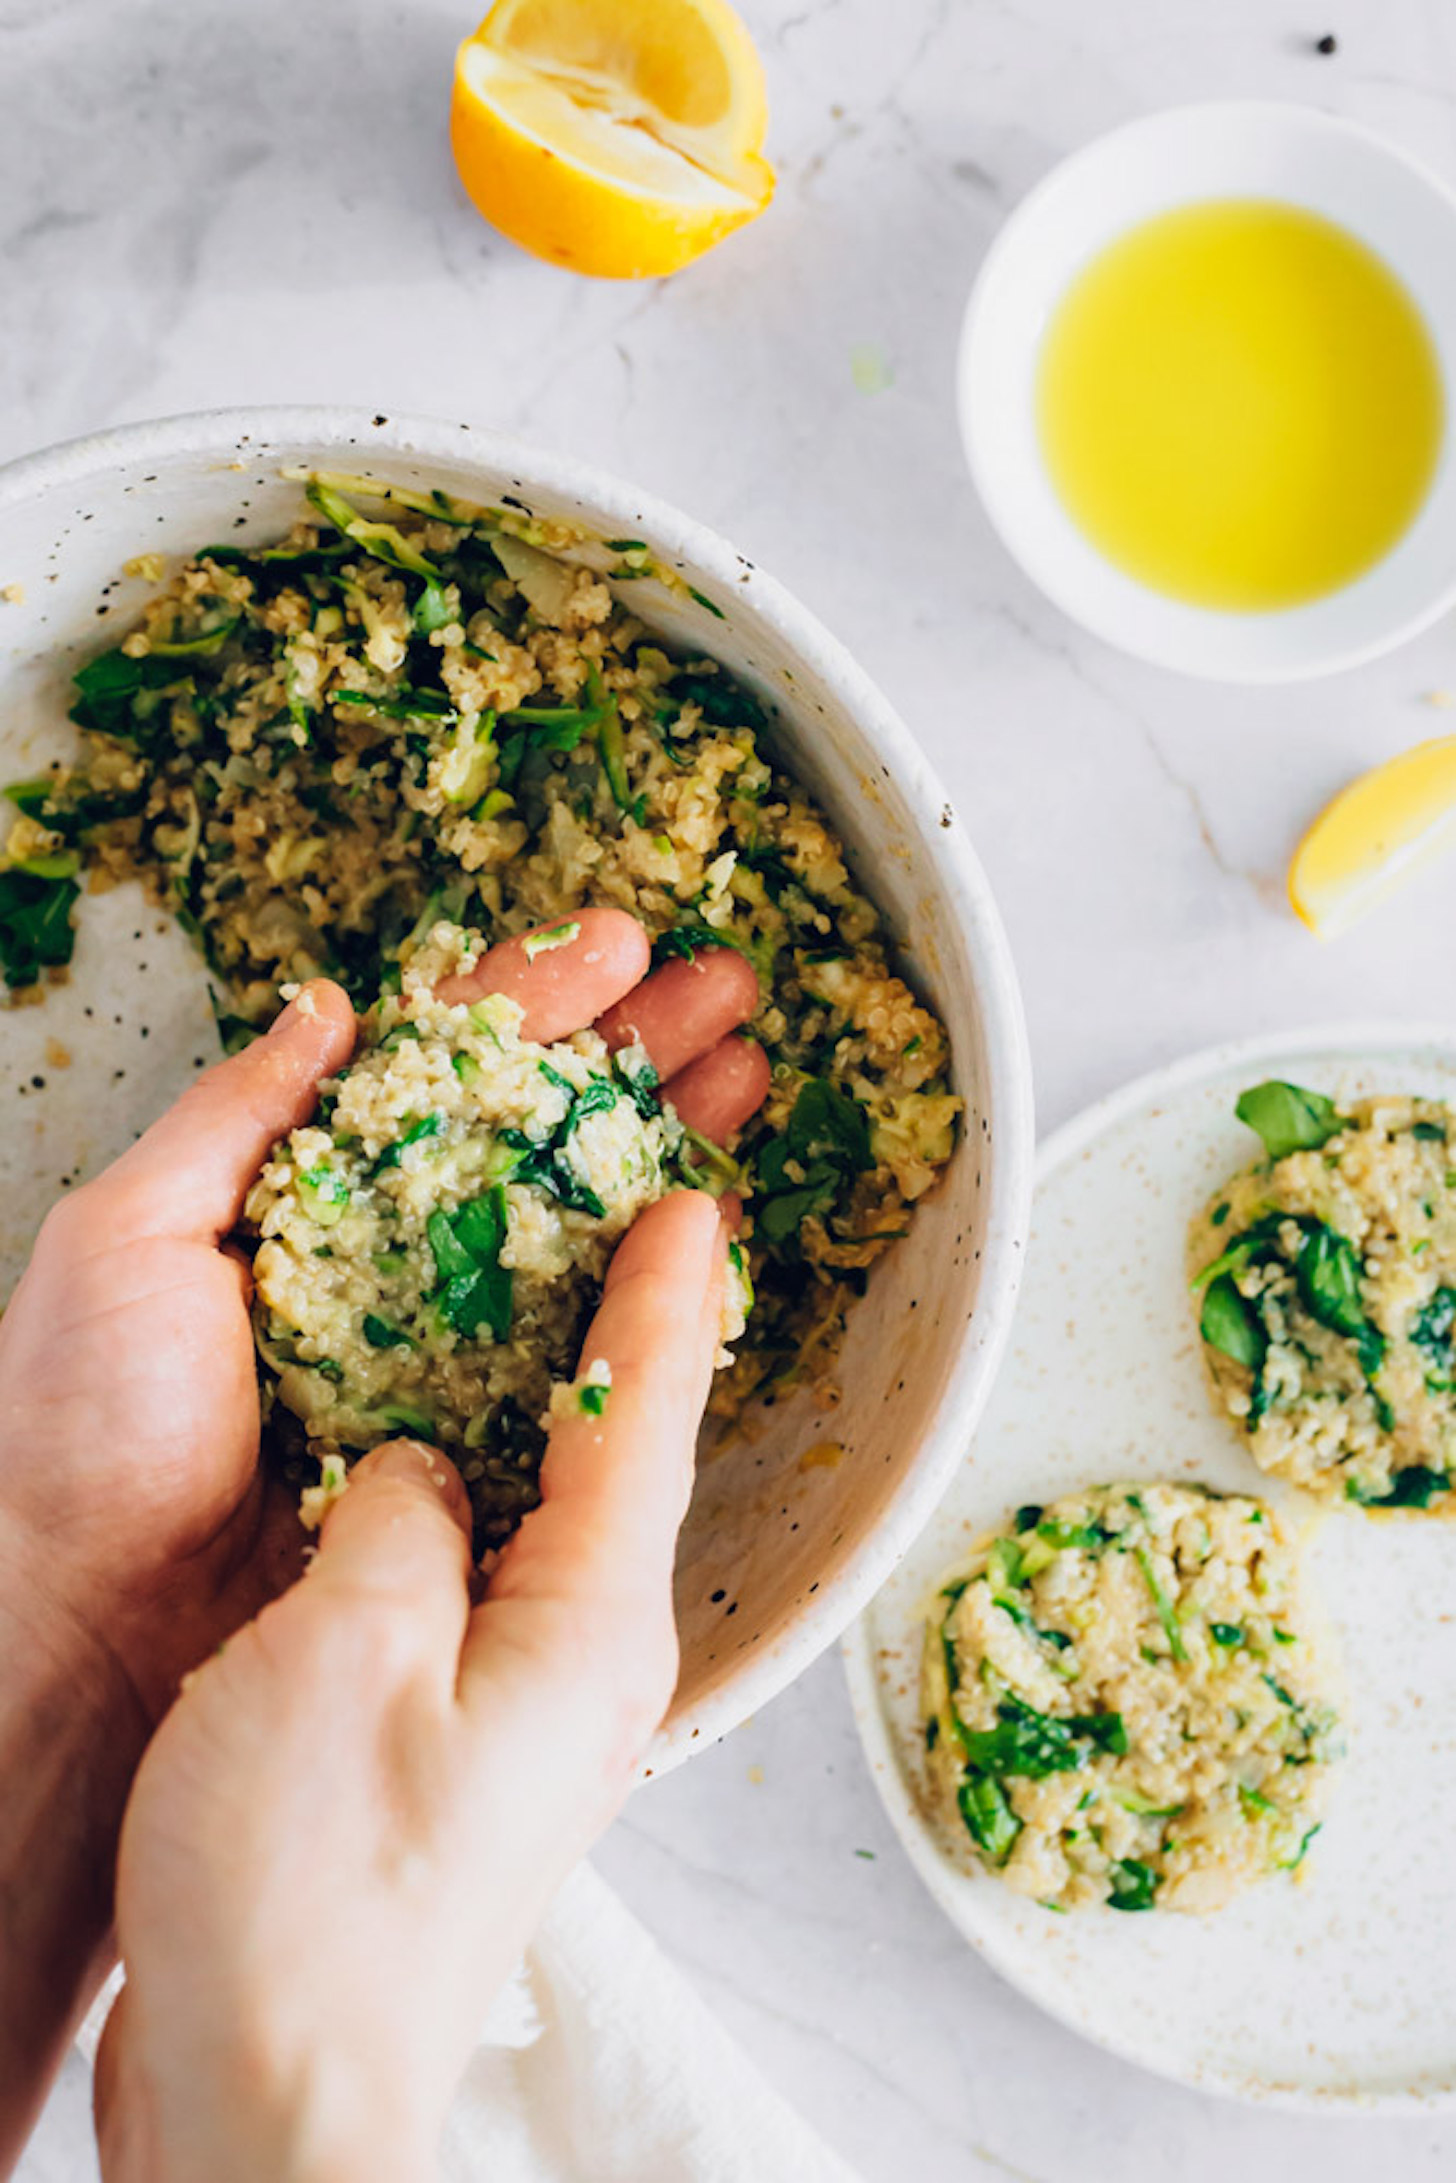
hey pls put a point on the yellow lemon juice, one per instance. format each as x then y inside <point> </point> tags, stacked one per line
<point>1240,404</point>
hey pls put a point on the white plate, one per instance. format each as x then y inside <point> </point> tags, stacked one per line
<point>1340,1991</point>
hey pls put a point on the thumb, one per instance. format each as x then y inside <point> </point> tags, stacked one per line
<point>106,2106</point>
<point>397,1541</point>
<point>188,1174</point>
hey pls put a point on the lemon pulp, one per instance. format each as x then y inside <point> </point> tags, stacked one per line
<point>1240,404</point>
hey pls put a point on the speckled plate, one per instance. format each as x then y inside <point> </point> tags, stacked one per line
<point>1336,1992</point>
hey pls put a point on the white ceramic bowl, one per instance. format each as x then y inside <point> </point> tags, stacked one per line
<point>1237,149</point>
<point>777,1556</point>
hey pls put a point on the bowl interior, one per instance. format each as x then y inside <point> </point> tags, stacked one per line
<point>786,1537</point>
<point>1225,150</point>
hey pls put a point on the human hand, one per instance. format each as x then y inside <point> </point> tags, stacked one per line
<point>343,1835</point>
<point>136,1531</point>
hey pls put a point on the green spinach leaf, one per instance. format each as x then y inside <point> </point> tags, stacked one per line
<point>36,930</point>
<point>990,1821</point>
<point>1229,1324</point>
<point>1416,1486</point>
<point>475,1289</point>
<point>1288,1118</point>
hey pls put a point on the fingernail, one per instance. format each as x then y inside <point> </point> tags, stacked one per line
<point>409,1459</point>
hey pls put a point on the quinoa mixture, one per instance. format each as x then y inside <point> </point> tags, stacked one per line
<point>311,751</point>
<point>1326,1278</point>
<point>1122,1702</point>
<point>431,1243</point>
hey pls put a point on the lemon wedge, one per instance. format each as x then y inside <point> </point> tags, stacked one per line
<point>1377,834</point>
<point>621,138</point>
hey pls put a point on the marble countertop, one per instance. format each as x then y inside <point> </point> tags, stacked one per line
<point>201,205</point>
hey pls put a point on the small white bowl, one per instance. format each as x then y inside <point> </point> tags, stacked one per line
<point>1235,149</point>
<point>777,1553</point>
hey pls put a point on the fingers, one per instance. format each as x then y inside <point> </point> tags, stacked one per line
<point>684,1009</point>
<point>716,1094</point>
<point>190,1172</point>
<point>399,1537</point>
<point>561,988</point>
<point>615,1486</point>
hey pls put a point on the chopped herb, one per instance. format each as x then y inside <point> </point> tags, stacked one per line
<point>205,646</point>
<point>1431,1330</point>
<point>432,610</point>
<point>400,1418</point>
<point>1082,1538</point>
<point>401,704</point>
<point>393,1155</point>
<point>379,1334</point>
<point>592,1392</point>
<point>722,702</point>
<point>1416,1486</point>
<point>234,1031</point>
<point>635,1073</point>
<point>36,930</point>
<point>1227,1634</point>
<point>550,938</point>
<point>1035,1744</point>
<point>1134,1885</point>
<point>475,1289</point>
<point>109,686</point>
<point>989,1819</point>
<point>1293,1864</point>
<point>685,939</point>
<point>542,1161</point>
<point>1162,1605</point>
<point>828,1138</point>
<point>1142,1807</point>
<point>612,748</point>
<point>324,1193</point>
<point>561,727</point>
<point>1003,1566</point>
<point>381,540</point>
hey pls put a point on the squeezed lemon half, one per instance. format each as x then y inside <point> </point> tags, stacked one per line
<point>1375,835</point>
<point>621,138</point>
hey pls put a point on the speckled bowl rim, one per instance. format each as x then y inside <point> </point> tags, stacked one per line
<point>951,865</point>
<point>858,1651</point>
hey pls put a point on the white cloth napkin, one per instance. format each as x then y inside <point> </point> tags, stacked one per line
<point>629,2078</point>
<point>599,2065</point>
